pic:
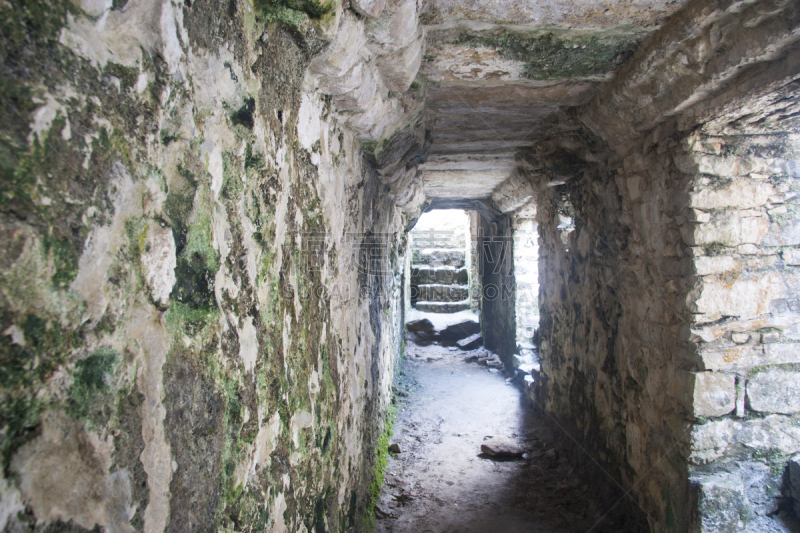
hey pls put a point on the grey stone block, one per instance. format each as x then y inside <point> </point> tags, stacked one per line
<point>774,391</point>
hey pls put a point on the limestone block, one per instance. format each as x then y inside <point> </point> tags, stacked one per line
<point>745,357</point>
<point>774,391</point>
<point>731,232</point>
<point>762,487</point>
<point>733,357</point>
<point>460,330</point>
<point>736,165</point>
<point>349,81</point>
<point>791,257</point>
<point>345,50</point>
<point>785,234</point>
<point>514,192</point>
<point>714,394</point>
<point>721,502</point>
<point>501,447</point>
<point>744,298</point>
<point>779,353</point>
<point>739,494</point>
<point>712,440</point>
<point>740,193</point>
<point>368,8</point>
<point>360,98</point>
<point>714,264</point>
<point>367,118</point>
<point>394,29</point>
<point>740,338</point>
<point>159,261</point>
<point>399,69</point>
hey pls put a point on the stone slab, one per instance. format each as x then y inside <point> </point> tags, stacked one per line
<point>774,391</point>
<point>714,394</point>
<point>471,342</point>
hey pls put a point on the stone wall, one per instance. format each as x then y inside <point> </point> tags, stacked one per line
<point>496,268</point>
<point>526,277</point>
<point>192,336</point>
<point>742,228</point>
<point>609,337</point>
<point>681,190</point>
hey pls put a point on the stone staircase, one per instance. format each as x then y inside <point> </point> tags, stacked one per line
<point>439,275</point>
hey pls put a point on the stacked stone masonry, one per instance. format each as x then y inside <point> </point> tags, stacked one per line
<point>204,215</point>
<point>668,315</point>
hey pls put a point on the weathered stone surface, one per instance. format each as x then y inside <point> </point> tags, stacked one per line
<point>791,256</point>
<point>422,332</point>
<point>345,51</point>
<point>730,232</point>
<point>641,13</point>
<point>774,391</point>
<point>400,68</point>
<point>501,447</point>
<point>158,262</point>
<point>368,8</point>
<point>714,394</point>
<point>744,298</point>
<point>748,356</point>
<point>361,96</point>
<point>723,502</point>
<point>740,193</point>
<point>714,439</point>
<point>395,28</point>
<point>738,496</point>
<point>158,194</point>
<point>514,192</point>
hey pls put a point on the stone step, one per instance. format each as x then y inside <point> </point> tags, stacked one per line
<point>440,293</point>
<point>439,244</point>
<point>447,275</point>
<point>434,257</point>
<point>443,307</point>
<point>439,239</point>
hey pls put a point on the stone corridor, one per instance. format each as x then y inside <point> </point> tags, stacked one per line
<point>207,217</point>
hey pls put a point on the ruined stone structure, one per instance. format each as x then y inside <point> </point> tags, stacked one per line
<point>203,217</point>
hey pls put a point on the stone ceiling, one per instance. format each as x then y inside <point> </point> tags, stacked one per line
<point>496,72</point>
<point>448,95</point>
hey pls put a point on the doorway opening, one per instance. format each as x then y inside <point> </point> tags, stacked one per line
<point>442,281</point>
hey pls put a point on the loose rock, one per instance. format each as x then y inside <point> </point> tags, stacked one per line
<point>501,447</point>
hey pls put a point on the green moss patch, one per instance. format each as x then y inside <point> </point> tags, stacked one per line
<point>294,13</point>
<point>89,394</point>
<point>550,56</point>
<point>23,370</point>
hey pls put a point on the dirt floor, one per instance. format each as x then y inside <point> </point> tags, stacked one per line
<point>439,482</point>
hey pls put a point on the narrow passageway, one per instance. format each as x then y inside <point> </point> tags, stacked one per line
<point>440,481</point>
